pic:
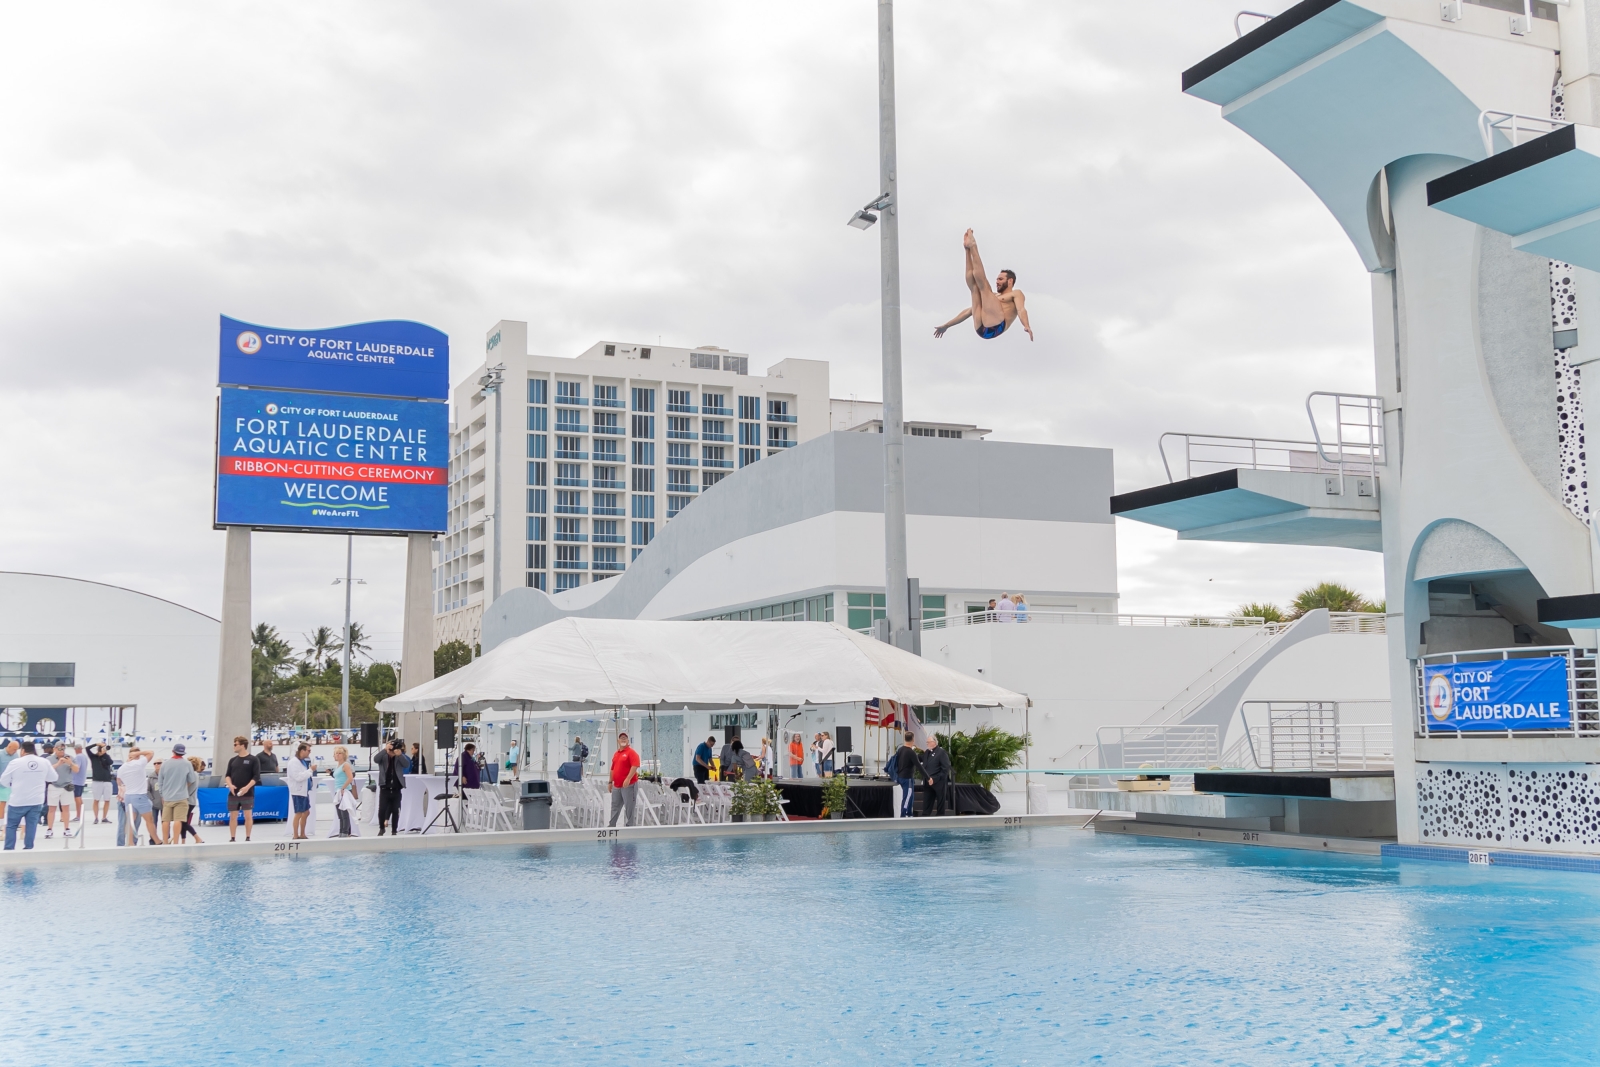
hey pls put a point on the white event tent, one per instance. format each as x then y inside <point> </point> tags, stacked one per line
<point>592,664</point>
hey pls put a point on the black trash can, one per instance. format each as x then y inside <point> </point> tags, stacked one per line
<point>533,798</point>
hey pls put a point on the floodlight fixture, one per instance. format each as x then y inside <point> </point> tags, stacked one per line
<point>863,219</point>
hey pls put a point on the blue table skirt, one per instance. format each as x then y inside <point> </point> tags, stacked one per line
<point>272,803</point>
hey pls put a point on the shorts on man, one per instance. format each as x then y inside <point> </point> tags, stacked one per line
<point>59,795</point>
<point>77,790</point>
<point>174,810</point>
<point>140,803</point>
<point>242,801</point>
<point>101,790</point>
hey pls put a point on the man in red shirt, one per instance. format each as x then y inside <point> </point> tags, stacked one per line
<point>624,779</point>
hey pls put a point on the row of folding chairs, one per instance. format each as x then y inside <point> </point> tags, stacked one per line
<point>483,810</point>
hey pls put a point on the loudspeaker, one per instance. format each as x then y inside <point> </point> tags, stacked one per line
<point>445,733</point>
<point>843,743</point>
<point>369,735</point>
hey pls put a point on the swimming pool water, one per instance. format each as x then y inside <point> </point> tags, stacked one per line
<point>1047,946</point>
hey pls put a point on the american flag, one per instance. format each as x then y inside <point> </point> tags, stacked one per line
<point>873,712</point>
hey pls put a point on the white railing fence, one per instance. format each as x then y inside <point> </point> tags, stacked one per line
<point>1513,128</point>
<point>1583,690</point>
<point>1312,735</point>
<point>1088,618</point>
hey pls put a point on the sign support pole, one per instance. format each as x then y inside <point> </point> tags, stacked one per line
<point>416,647</point>
<point>233,659</point>
<point>344,685</point>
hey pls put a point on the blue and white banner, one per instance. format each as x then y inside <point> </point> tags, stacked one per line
<point>305,461</point>
<point>1497,695</point>
<point>393,358</point>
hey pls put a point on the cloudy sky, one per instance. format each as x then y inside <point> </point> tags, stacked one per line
<point>669,172</point>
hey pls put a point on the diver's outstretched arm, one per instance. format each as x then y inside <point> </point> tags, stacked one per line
<point>1022,313</point>
<point>963,317</point>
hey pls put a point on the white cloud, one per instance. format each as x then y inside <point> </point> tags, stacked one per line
<point>642,170</point>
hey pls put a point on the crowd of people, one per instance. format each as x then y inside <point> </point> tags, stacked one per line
<point>1009,608</point>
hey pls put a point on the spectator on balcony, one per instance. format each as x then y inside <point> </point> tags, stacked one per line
<point>1007,611</point>
<point>1020,603</point>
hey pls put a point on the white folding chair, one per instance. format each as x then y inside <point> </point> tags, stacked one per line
<point>494,813</point>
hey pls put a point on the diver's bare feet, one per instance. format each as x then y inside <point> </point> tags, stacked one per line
<point>968,241</point>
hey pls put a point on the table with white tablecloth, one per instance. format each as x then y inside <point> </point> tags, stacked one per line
<point>417,803</point>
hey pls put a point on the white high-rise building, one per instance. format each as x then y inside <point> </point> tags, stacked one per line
<point>563,469</point>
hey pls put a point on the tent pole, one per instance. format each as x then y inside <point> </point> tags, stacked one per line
<point>655,739</point>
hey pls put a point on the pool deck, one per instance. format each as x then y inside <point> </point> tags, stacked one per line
<point>52,853</point>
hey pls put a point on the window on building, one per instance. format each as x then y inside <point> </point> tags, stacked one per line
<point>568,391</point>
<point>569,530</point>
<point>536,529</point>
<point>570,447</point>
<point>863,609</point>
<point>644,427</point>
<point>570,474</point>
<point>736,364</point>
<point>538,390</point>
<point>920,431</point>
<point>606,396</point>
<point>644,399</point>
<point>750,408</point>
<point>935,715</point>
<point>703,360</point>
<point>643,534</point>
<point>644,480</point>
<point>714,430</point>
<point>950,433</point>
<point>713,404</point>
<point>715,456</point>
<point>681,427</point>
<point>606,449</point>
<point>749,433</point>
<point>742,720</point>
<point>536,501</point>
<point>680,400</point>
<point>644,454</point>
<point>933,606</point>
<point>748,456</point>
<point>778,437</point>
<point>634,553</point>
<point>537,554</point>
<point>605,531</point>
<point>538,580</point>
<point>569,557</point>
<point>567,580</point>
<point>644,353</point>
<point>569,420</point>
<point>605,422</point>
<point>676,504</point>
<point>536,446</point>
<point>15,675</point>
<point>538,418</point>
<point>680,455</point>
<point>710,478</point>
<point>644,507</point>
<point>679,479</point>
<point>778,410</point>
<point>536,474</point>
<point>611,350</point>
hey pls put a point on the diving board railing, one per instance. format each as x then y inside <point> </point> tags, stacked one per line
<point>1312,735</point>
<point>1514,128</point>
<point>1353,445</point>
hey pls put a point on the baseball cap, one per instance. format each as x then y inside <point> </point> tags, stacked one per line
<point>179,749</point>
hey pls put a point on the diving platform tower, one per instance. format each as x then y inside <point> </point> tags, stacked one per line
<point>1458,145</point>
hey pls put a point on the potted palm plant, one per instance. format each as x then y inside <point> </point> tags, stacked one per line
<point>833,797</point>
<point>765,795</point>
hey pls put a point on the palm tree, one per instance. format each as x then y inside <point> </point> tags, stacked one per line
<point>358,642</point>
<point>988,748</point>
<point>1330,595</point>
<point>321,643</point>
<point>1264,612</point>
<point>266,642</point>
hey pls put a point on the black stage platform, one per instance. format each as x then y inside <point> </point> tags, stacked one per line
<point>874,798</point>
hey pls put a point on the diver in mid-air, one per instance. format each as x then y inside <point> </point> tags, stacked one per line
<point>994,309</point>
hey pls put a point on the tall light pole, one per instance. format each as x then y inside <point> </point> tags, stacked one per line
<point>491,382</point>
<point>897,601</point>
<point>344,683</point>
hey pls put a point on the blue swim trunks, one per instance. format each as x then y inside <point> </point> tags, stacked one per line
<point>989,333</point>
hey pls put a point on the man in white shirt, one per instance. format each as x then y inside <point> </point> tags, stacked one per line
<point>26,777</point>
<point>133,789</point>
<point>1006,609</point>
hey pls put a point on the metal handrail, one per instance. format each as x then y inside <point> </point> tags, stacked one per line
<point>1238,31</point>
<point>1227,452</point>
<point>1368,425</point>
<point>1090,618</point>
<point>1510,124</point>
<point>1583,690</point>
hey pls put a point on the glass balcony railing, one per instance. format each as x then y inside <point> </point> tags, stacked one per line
<point>602,402</point>
<point>770,444</point>
<point>682,435</point>
<point>724,438</point>
<point>682,409</point>
<point>609,539</point>
<point>571,509</point>
<point>600,566</point>
<point>571,427</point>
<point>573,483</point>
<point>725,413</point>
<point>571,402</point>
<point>610,511</point>
<point>682,488</point>
<point>726,464</point>
<point>560,454</point>
<point>602,483</point>
<point>571,537</point>
<point>791,419</point>
<point>680,461</point>
<point>571,565</point>
<point>612,431</point>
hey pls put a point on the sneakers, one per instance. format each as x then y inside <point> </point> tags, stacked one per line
<point>48,834</point>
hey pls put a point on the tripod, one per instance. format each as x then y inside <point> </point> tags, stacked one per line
<point>444,812</point>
